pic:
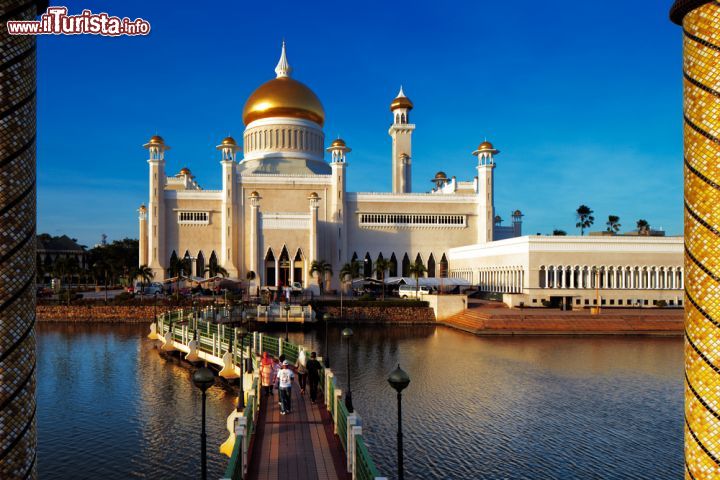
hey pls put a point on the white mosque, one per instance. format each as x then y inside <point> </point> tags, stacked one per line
<point>283,206</point>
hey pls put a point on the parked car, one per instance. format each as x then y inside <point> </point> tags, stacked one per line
<point>150,288</point>
<point>410,291</point>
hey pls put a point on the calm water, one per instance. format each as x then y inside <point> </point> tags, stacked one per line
<point>477,407</point>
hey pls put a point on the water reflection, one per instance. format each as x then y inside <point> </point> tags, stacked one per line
<point>518,407</point>
<point>477,407</point>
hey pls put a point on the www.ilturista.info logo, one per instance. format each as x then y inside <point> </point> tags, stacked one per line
<point>56,21</point>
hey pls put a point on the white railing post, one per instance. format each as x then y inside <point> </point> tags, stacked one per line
<point>353,433</point>
<point>260,349</point>
<point>241,436</point>
<point>352,422</point>
<point>329,377</point>
<point>337,400</point>
<point>280,346</point>
<point>213,345</point>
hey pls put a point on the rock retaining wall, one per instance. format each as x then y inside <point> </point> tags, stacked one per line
<point>94,313</point>
<point>387,315</point>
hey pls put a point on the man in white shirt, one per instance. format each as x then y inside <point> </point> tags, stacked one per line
<point>285,378</point>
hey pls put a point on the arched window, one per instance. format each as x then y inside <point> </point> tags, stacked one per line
<point>443,267</point>
<point>269,267</point>
<point>431,266</point>
<point>405,265</point>
<point>284,268</point>
<point>367,265</point>
<point>200,265</point>
<point>392,271</point>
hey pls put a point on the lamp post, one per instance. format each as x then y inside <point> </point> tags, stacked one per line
<point>347,333</point>
<point>241,332</point>
<point>287,320</point>
<point>327,319</point>
<point>398,380</point>
<point>203,378</point>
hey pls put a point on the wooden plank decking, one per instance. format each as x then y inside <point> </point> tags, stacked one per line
<point>300,445</point>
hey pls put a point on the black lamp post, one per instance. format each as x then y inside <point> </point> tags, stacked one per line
<point>241,332</point>
<point>203,378</point>
<point>398,380</point>
<point>287,320</point>
<point>327,318</point>
<point>348,333</point>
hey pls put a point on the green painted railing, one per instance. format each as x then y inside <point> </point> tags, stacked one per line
<point>364,466</point>
<point>342,415</point>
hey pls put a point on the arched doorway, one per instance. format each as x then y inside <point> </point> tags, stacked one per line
<point>431,266</point>
<point>367,266</point>
<point>213,264</point>
<point>298,267</point>
<point>284,268</point>
<point>392,271</point>
<point>443,267</point>
<point>269,267</point>
<point>405,266</point>
<point>200,265</point>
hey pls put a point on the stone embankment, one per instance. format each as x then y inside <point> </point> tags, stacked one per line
<point>95,313</point>
<point>379,314</point>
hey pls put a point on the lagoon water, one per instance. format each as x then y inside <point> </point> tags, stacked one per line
<point>477,407</point>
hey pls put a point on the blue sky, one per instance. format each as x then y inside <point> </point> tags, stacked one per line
<point>582,98</point>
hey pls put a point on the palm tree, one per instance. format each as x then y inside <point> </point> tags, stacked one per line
<point>416,271</point>
<point>323,269</point>
<point>643,227</point>
<point>585,218</point>
<point>351,270</point>
<point>380,266</point>
<point>145,274</point>
<point>613,224</point>
<point>216,271</point>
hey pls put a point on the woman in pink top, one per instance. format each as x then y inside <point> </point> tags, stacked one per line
<point>266,373</point>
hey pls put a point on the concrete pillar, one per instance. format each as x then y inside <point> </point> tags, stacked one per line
<point>546,277</point>
<point>143,240</point>
<point>255,237</point>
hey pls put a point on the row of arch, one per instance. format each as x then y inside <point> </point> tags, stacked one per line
<point>611,277</point>
<point>505,279</point>
<point>303,139</point>
<point>435,268</point>
<point>401,118</point>
<point>280,270</point>
<point>197,265</point>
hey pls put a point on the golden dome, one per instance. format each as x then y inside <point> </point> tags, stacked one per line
<point>229,141</point>
<point>313,196</point>
<point>156,139</point>
<point>184,171</point>
<point>254,194</point>
<point>486,146</point>
<point>401,101</point>
<point>517,213</point>
<point>440,175</point>
<point>338,142</point>
<point>283,97</point>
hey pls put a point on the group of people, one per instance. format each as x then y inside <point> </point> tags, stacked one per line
<point>278,373</point>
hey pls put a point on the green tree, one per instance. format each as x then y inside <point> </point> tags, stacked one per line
<point>643,227</point>
<point>145,274</point>
<point>613,224</point>
<point>559,233</point>
<point>380,266</point>
<point>322,269</point>
<point>417,270</point>
<point>585,218</point>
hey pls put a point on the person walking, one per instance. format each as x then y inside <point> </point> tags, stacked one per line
<point>313,368</point>
<point>266,373</point>
<point>274,374</point>
<point>301,368</point>
<point>285,379</point>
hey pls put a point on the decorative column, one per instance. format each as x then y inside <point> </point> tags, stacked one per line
<point>547,277</point>
<point>700,22</point>
<point>17,244</point>
<point>572,277</point>
<point>255,237</point>
<point>555,277</point>
<point>314,204</point>
<point>143,240</point>
<point>228,236</point>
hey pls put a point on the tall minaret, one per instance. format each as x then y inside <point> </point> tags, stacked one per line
<point>229,236</point>
<point>143,241</point>
<point>485,200</point>
<point>156,206</point>
<point>700,21</point>
<point>401,133</point>
<point>338,151</point>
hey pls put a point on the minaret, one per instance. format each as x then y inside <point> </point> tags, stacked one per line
<point>485,197</point>
<point>156,206</point>
<point>229,235</point>
<point>700,21</point>
<point>517,223</point>
<point>401,133</point>
<point>338,151</point>
<point>143,241</point>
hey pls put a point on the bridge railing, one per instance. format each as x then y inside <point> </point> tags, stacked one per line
<point>215,339</point>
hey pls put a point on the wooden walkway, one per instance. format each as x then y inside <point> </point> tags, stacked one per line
<point>300,445</point>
